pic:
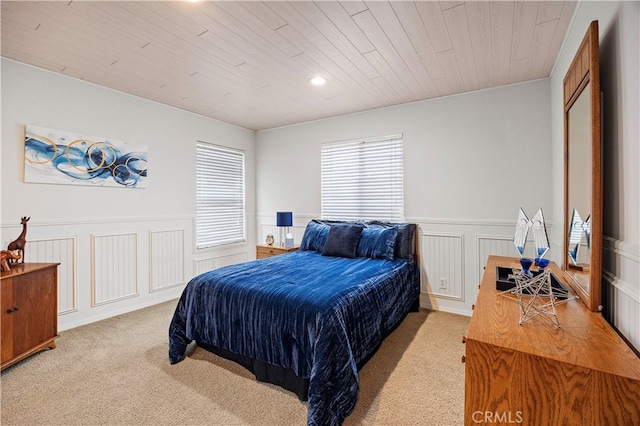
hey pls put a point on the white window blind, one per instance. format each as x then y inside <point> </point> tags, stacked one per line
<point>363,179</point>
<point>220,214</point>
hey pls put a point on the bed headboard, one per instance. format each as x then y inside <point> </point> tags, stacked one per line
<point>375,239</point>
<point>416,245</point>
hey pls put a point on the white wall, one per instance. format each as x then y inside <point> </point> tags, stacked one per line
<point>619,24</point>
<point>75,225</point>
<point>471,161</point>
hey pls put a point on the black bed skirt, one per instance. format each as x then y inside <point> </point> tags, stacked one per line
<point>285,377</point>
<point>266,372</point>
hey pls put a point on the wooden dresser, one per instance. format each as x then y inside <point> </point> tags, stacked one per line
<point>29,317</point>
<point>582,373</point>
<point>263,251</point>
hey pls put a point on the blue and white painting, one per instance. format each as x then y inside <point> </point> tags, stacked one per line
<point>64,157</point>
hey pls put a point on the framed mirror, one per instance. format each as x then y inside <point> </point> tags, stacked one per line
<point>582,261</point>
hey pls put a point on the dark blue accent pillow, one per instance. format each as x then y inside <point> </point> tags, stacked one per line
<point>404,242</point>
<point>343,241</point>
<point>315,236</point>
<point>378,243</point>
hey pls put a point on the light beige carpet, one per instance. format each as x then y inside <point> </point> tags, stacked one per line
<point>116,372</point>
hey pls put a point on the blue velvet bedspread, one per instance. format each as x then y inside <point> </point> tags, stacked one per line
<point>317,315</point>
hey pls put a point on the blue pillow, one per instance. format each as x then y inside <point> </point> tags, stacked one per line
<point>404,242</point>
<point>404,245</point>
<point>378,243</point>
<point>315,236</point>
<point>343,241</point>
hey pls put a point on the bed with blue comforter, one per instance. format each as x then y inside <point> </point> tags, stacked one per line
<point>317,313</point>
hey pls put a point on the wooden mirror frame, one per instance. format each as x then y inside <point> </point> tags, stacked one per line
<point>584,70</point>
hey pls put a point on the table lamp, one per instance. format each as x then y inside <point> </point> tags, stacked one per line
<point>283,221</point>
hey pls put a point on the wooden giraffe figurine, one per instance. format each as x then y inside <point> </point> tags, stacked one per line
<point>21,241</point>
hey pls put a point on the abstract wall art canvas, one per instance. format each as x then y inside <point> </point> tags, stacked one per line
<point>64,157</point>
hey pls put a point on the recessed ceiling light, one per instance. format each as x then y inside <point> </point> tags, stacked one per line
<point>318,81</point>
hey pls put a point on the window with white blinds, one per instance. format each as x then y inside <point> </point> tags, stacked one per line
<point>220,215</point>
<point>363,179</point>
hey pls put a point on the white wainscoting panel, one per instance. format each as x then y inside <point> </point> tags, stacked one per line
<point>495,245</point>
<point>623,310</point>
<point>621,298</point>
<point>114,267</point>
<point>166,259</point>
<point>211,263</point>
<point>442,261</point>
<point>60,250</point>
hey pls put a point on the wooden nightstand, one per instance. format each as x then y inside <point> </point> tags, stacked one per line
<point>263,251</point>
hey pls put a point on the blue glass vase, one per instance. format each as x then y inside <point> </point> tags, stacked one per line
<point>542,263</point>
<point>526,266</point>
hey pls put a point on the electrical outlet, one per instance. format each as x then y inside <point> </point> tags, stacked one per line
<point>443,282</point>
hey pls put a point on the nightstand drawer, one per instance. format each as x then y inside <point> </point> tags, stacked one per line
<point>263,251</point>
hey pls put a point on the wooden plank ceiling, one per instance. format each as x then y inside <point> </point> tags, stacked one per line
<point>249,63</point>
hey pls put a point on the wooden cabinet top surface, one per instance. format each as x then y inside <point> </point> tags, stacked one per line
<point>24,268</point>
<point>584,338</point>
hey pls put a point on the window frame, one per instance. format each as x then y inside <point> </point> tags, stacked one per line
<point>233,156</point>
<point>365,156</point>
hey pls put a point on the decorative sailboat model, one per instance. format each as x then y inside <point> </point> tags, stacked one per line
<point>537,293</point>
